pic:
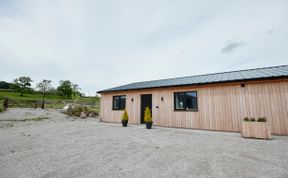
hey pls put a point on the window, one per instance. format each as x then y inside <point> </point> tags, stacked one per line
<point>119,102</point>
<point>185,101</point>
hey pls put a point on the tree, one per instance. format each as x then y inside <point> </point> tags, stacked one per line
<point>44,86</point>
<point>65,88</point>
<point>76,89</point>
<point>4,85</point>
<point>13,86</point>
<point>23,83</point>
<point>94,99</point>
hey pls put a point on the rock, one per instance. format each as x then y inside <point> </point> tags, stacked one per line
<point>75,110</point>
<point>83,115</point>
<point>92,114</point>
<point>65,108</point>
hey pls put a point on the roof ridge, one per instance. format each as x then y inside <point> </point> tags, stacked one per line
<point>245,74</point>
<point>198,75</point>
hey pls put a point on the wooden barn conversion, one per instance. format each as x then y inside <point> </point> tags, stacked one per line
<point>217,101</point>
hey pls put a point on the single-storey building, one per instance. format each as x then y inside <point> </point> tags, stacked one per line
<point>216,101</point>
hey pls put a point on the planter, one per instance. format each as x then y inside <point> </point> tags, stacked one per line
<point>124,123</point>
<point>256,130</point>
<point>149,125</point>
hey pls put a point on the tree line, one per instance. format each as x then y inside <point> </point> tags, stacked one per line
<point>66,88</point>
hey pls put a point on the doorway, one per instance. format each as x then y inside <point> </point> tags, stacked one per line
<point>146,100</point>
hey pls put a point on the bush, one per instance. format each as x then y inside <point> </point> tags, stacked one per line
<point>1,106</point>
<point>147,116</point>
<point>262,119</point>
<point>246,119</point>
<point>125,116</point>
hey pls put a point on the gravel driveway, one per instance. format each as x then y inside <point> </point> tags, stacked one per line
<point>59,146</point>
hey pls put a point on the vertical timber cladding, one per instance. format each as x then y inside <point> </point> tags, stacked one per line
<point>220,107</point>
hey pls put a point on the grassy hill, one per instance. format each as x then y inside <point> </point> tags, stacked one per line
<point>53,101</point>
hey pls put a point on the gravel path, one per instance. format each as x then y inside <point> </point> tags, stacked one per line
<point>65,147</point>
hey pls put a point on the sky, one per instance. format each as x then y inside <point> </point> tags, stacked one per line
<point>103,44</point>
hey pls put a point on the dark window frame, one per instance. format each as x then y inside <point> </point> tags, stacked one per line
<point>184,109</point>
<point>121,107</point>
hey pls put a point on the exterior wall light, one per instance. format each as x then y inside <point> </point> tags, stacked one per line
<point>132,100</point>
<point>162,99</point>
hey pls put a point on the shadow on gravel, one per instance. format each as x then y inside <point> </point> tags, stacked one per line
<point>23,120</point>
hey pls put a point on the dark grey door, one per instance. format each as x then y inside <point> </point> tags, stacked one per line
<point>146,100</point>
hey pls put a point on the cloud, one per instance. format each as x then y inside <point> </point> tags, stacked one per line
<point>232,45</point>
<point>271,31</point>
<point>100,44</point>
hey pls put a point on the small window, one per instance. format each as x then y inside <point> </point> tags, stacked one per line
<point>119,102</point>
<point>186,101</point>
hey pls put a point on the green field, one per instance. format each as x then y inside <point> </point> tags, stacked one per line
<point>52,101</point>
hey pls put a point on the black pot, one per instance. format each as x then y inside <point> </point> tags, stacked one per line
<point>124,123</point>
<point>149,125</point>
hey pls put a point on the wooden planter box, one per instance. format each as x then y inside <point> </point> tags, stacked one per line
<point>256,130</point>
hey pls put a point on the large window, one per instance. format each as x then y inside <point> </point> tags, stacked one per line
<point>119,102</point>
<point>186,101</point>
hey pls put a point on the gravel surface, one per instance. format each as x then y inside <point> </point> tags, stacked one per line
<point>60,146</point>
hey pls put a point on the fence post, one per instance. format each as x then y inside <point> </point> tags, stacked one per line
<point>35,104</point>
<point>43,104</point>
<point>5,103</point>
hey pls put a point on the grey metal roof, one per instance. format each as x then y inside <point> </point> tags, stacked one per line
<point>241,75</point>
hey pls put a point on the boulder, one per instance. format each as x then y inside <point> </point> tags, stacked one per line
<point>66,108</point>
<point>92,114</point>
<point>83,115</point>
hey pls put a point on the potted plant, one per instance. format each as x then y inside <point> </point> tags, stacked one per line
<point>148,118</point>
<point>125,118</point>
<point>252,128</point>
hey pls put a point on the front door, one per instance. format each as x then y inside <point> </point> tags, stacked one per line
<point>146,100</point>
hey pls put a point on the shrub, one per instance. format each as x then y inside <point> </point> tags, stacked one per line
<point>262,119</point>
<point>1,106</point>
<point>147,116</point>
<point>125,116</point>
<point>252,119</point>
<point>246,119</point>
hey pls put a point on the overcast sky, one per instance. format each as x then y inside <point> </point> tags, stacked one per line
<point>102,44</point>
